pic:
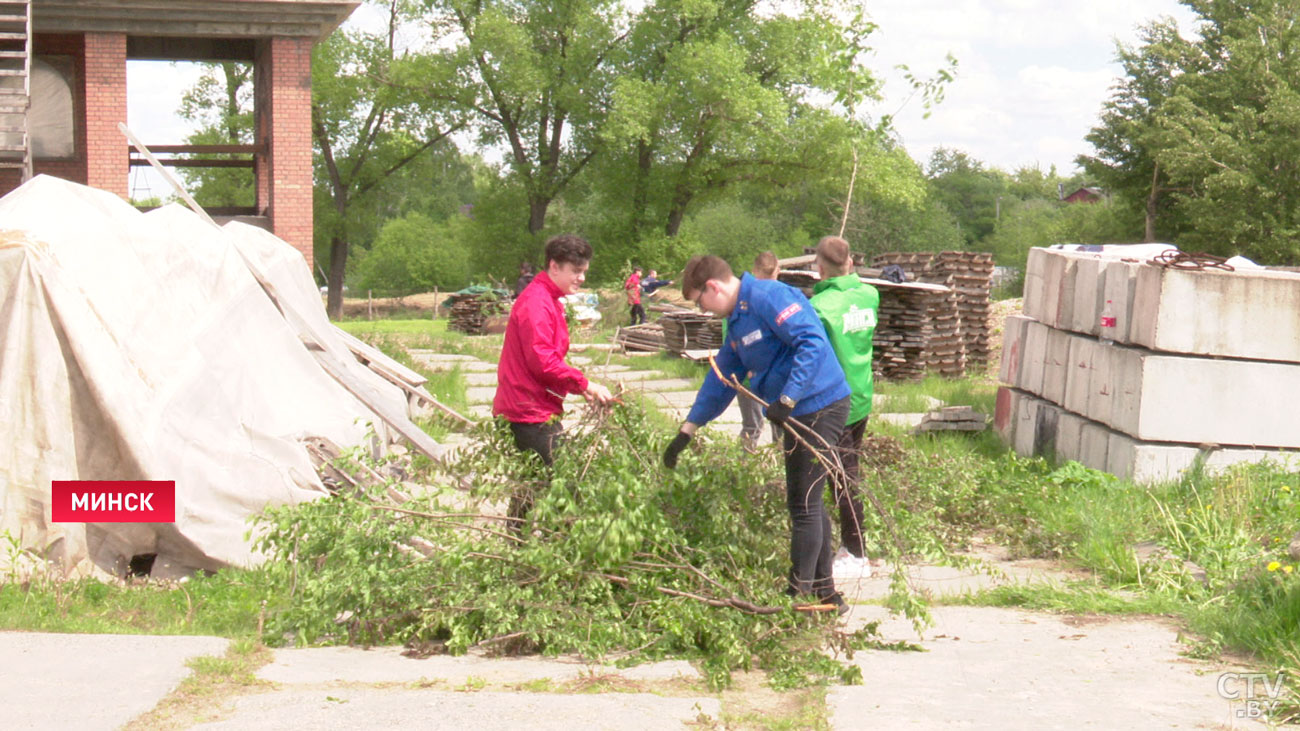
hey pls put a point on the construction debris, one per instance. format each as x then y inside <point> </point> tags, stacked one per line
<point>952,418</point>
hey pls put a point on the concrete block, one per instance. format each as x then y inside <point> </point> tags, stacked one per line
<point>1013,333</point>
<point>1069,436</point>
<point>1162,397</point>
<point>1033,292</point>
<point>1056,365</point>
<point>1026,415</point>
<point>1034,351</point>
<point>1243,314</point>
<point>1045,429</point>
<point>1089,287</point>
<point>1004,409</point>
<point>1067,289</point>
<point>1119,287</point>
<point>1078,373</point>
<point>1094,446</point>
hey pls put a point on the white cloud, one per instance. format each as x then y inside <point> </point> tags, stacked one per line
<point>1031,78</point>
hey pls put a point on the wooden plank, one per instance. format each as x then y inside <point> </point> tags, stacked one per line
<point>185,162</point>
<point>233,149</point>
<point>378,361</point>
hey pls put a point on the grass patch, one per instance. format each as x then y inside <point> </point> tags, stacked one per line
<point>1074,598</point>
<point>202,697</point>
<point>425,335</point>
<point>910,395</point>
<point>227,605</point>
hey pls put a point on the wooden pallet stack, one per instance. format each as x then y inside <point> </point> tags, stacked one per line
<point>902,333</point>
<point>945,352</point>
<point>960,337</point>
<point>686,330</point>
<point>648,336</point>
<point>972,274</point>
<point>469,312</point>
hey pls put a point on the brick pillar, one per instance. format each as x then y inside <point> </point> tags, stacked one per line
<point>289,188</point>
<point>106,148</point>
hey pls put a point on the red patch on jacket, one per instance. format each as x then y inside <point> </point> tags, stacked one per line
<point>788,312</point>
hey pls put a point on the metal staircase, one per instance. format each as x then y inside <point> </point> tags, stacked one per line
<point>15,85</point>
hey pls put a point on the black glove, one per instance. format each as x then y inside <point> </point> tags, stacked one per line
<point>675,448</point>
<point>779,411</point>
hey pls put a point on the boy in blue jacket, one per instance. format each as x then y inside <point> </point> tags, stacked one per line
<point>774,334</point>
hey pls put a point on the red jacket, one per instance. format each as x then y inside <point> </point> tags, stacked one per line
<point>532,377</point>
<point>633,287</point>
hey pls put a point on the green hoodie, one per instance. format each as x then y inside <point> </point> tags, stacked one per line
<point>847,308</point>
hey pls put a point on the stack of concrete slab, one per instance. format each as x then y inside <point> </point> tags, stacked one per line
<point>1200,367</point>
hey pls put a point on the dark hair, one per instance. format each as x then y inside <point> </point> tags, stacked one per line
<point>834,254</point>
<point>765,265</point>
<point>567,249</point>
<point>701,269</point>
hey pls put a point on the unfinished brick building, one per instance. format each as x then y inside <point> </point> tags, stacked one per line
<point>63,91</point>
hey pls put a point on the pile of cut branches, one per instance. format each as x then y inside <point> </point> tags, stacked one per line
<point>619,559</point>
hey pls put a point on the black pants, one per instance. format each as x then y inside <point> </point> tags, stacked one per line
<point>539,438</point>
<point>805,487</point>
<point>847,497</point>
<point>638,312</point>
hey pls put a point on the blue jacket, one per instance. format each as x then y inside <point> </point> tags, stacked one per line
<point>775,335</point>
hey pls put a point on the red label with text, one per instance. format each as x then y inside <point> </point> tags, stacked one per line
<point>113,501</point>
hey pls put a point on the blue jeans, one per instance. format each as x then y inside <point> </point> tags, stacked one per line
<point>805,488</point>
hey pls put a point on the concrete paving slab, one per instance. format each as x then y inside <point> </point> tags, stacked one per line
<point>656,384</point>
<point>324,665</point>
<point>481,379</point>
<point>993,668</point>
<point>949,581</point>
<point>603,369</point>
<point>907,421</point>
<point>377,708</point>
<point>91,681</point>
<point>433,356</point>
<point>641,375</point>
<point>466,364</point>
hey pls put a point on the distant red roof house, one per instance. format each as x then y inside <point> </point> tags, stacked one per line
<point>1085,195</point>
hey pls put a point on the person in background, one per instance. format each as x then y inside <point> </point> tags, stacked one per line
<point>633,288</point>
<point>526,275</point>
<point>847,308</point>
<point>751,414</point>
<point>532,375</point>
<point>652,282</point>
<point>773,334</point>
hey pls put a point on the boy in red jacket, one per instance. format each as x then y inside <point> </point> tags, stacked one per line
<point>633,288</point>
<point>532,375</point>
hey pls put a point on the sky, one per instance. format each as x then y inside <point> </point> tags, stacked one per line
<point>1031,77</point>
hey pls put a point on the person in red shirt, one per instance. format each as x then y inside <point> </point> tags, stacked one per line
<point>633,288</point>
<point>532,375</point>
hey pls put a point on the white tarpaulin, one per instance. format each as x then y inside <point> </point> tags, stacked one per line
<point>143,347</point>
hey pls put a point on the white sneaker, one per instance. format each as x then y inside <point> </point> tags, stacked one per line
<point>850,567</point>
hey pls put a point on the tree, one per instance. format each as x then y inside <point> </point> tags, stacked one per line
<point>533,75</point>
<point>1232,131</point>
<point>365,131</point>
<point>1129,134</point>
<point>969,190</point>
<point>719,92</point>
<point>220,102</point>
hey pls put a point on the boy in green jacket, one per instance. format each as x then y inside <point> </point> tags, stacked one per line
<point>847,308</point>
